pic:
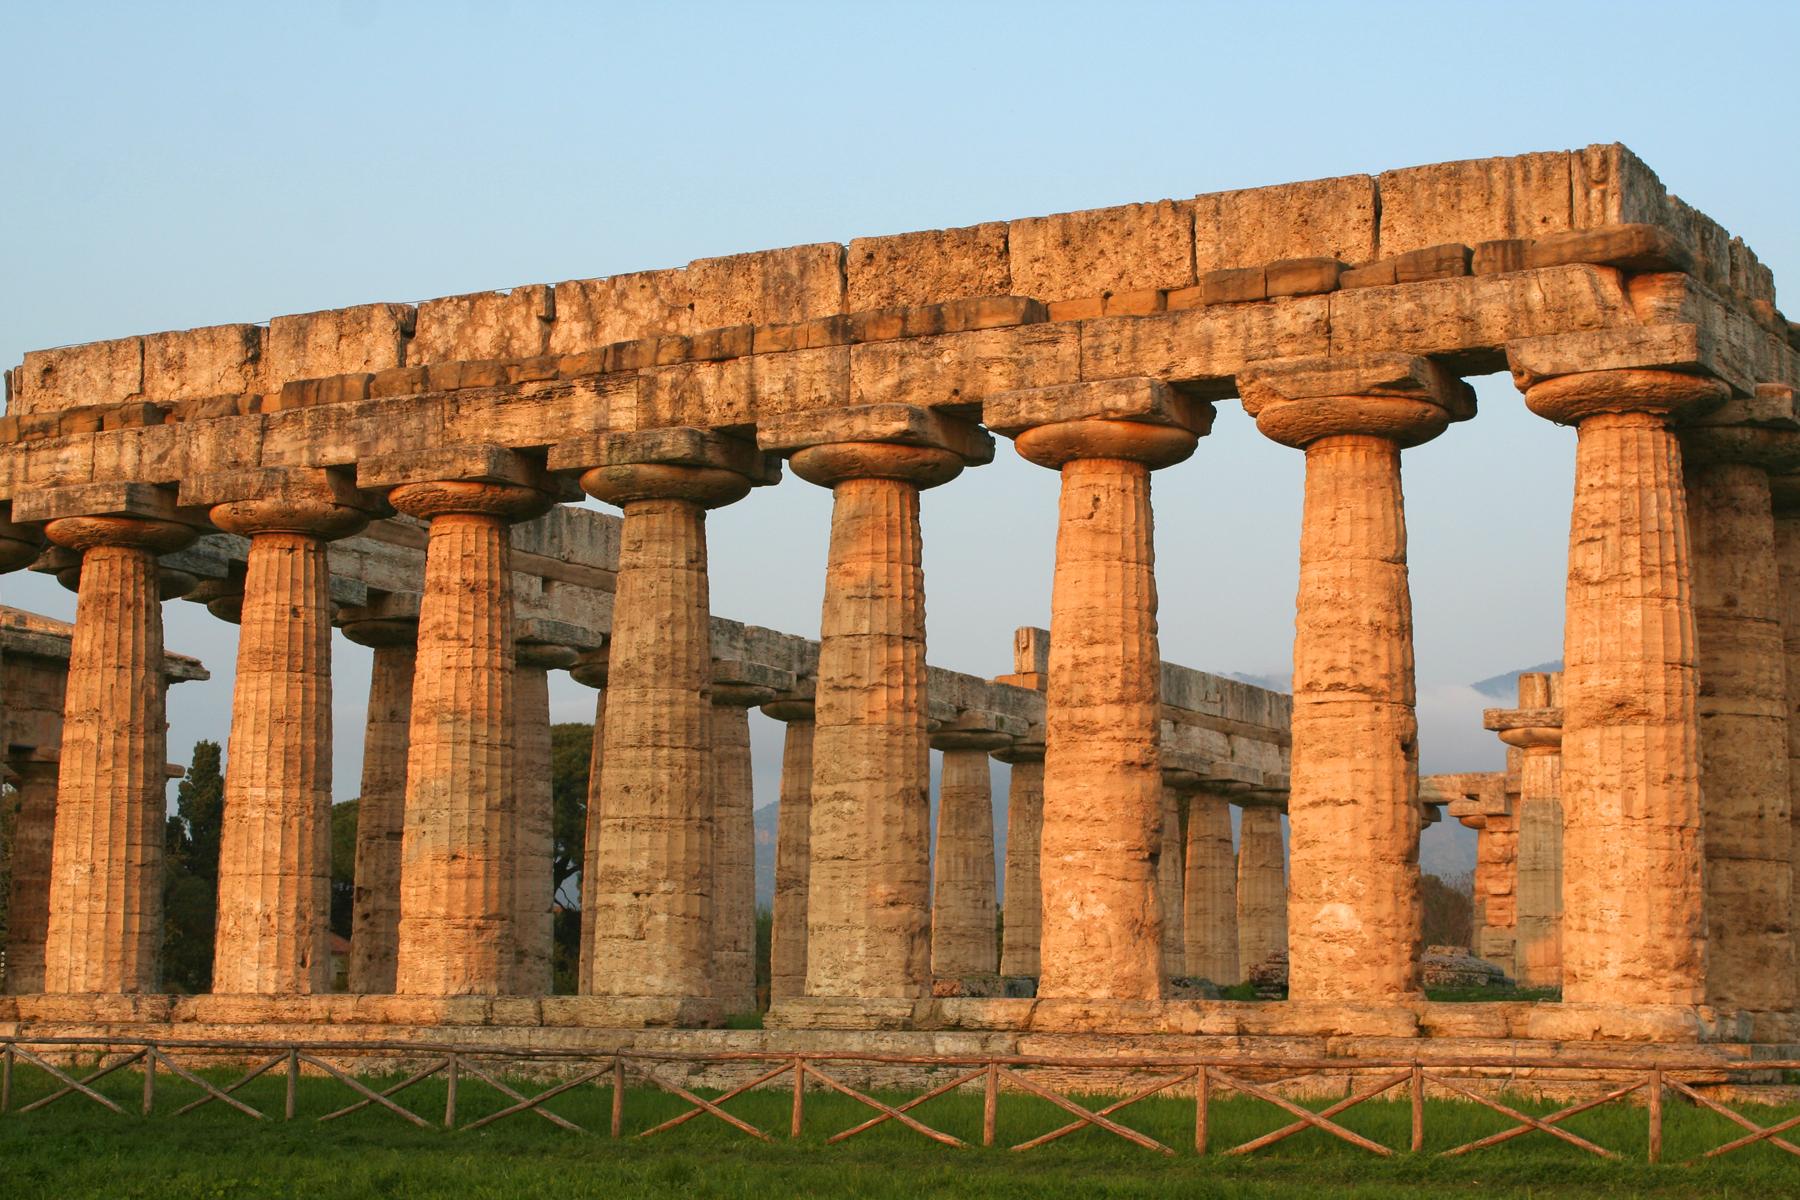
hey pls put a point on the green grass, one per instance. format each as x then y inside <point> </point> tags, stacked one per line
<point>75,1148</point>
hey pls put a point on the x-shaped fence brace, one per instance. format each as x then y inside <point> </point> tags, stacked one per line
<point>996,1075</point>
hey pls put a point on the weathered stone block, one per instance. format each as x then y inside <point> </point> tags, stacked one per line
<point>767,287</point>
<point>697,393</point>
<point>928,267</point>
<point>1379,273</point>
<point>202,362</point>
<point>1500,256</point>
<point>1612,186</point>
<point>591,313</point>
<point>368,337</point>
<point>484,325</point>
<point>1104,249</point>
<point>1234,285</point>
<point>70,376</point>
<point>906,424</point>
<point>1204,343</point>
<point>1631,247</point>
<point>1476,200</point>
<point>1145,400</point>
<point>1431,262</point>
<point>1706,239</point>
<point>1331,218</point>
<point>1302,276</point>
<point>801,379</point>
<point>963,367</point>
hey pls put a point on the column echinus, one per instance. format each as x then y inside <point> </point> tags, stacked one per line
<point>1728,456</point>
<point>457,930</point>
<point>590,671</point>
<point>1354,916</point>
<point>869,899</point>
<point>389,625</point>
<point>793,844</point>
<point>1103,817</point>
<point>274,913</point>
<point>964,900</point>
<point>652,915</point>
<point>106,878</point>
<point>1634,912</point>
<point>737,686</point>
<point>540,649</point>
<point>1535,730</point>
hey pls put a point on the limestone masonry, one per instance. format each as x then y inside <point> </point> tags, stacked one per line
<point>401,471</point>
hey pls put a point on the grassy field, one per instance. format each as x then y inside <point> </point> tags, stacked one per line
<point>75,1148</point>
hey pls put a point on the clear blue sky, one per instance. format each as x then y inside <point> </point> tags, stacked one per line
<point>177,165</point>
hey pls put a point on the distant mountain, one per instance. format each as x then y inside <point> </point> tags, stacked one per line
<point>1506,687</point>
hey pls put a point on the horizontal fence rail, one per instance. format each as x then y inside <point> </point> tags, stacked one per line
<point>1197,1078</point>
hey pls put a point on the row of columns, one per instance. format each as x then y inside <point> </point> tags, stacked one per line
<point>1640,882</point>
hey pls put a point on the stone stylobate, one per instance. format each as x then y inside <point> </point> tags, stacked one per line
<point>653,896</point>
<point>868,906</point>
<point>274,904</point>
<point>1634,910</point>
<point>1102,932</point>
<point>106,880</point>
<point>457,930</point>
<point>1354,915</point>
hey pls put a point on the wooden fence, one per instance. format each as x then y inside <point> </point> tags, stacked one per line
<point>1197,1078</point>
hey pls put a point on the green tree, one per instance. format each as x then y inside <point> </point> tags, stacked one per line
<point>571,754</point>
<point>191,873</point>
<point>1449,910</point>
<point>343,864</point>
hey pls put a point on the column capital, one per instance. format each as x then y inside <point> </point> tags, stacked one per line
<point>737,683</point>
<point>314,501</point>
<point>702,466</point>
<point>1403,398</point>
<point>1535,726</point>
<point>973,730</point>
<point>1759,430</point>
<point>389,619</point>
<point>909,442</point>
<point>795,705</point>
<point>1662,370</point>
<point>590,667</point>
<point>550,644</point>
<point>480,480</point>
<point>1136,419</point>
<point>83,516</point>
<point>19,544</point>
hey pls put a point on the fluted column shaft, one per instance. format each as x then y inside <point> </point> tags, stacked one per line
<point>458,850</point>
<point>28,901</point>
<point>1787,556</point>
<point>1103,810</point>
<point>793,859</point>
<point>590,856</point>
<point>1210,910</point>
<point>734,858</point>
<point>106,874</point>
<point>534,880</point>
<point>963,900</point>
<point>274,911</point>
<point>1354,909</point>
<point>1171,886</point>
<point>868,903</point>
<point>375,910</point>
<point>1024,893</point>
<point>1538,944</point>
<point>1745,804</point>
<point>653,904</point>
<point>1634,912</point>
<point>1262,894</point>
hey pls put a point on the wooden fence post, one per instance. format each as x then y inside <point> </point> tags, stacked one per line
<point>149,1080</point>
<point>293,1081</point>
<point>6,1062</point>
<point>1202,1098</point>
<point>1418,1108</point>
<point>799,1097</point>
<point>450,1094</point>
<point>1655,1106</point>
<point>990,1104</point>
<point>618,1096</point>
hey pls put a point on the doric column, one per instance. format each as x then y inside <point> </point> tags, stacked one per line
<point>1786,495</point>
<point>653,907</point>
<point>1746,810</point>
<point>375,906</point>
<point>737,686</point>
<point>534,877</point>
<point>793,838</point>
<point>106,873</point>
<point>1262,892</point>
<point>590,670</point>
<point>1354,916</point>
<point>964,899</point>
<point>868,903</point>
<point>28,900</point>
<point>1634,913</point>
<point>1102,931</point>
<point>1024,906</point>
<point>1481,801</point>
<point>1171,881</point>
<point>458,845</point>
<point>1535,730</point>
<point>274,914</point>
<point>1210,916</point>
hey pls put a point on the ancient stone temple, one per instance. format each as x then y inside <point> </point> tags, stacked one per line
<point>406,472</point>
